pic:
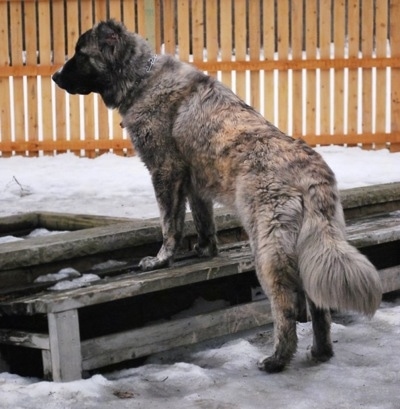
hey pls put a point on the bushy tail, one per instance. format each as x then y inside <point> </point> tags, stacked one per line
<point>334,273</point>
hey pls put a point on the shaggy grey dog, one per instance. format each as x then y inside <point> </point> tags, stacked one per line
<point>202,143</point>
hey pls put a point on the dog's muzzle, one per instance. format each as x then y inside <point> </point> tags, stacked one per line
<point>56,77</point>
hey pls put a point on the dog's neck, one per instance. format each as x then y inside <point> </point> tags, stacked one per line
<point>151,62</point>
<point>148,67</point>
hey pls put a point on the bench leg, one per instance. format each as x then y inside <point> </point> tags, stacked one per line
<point>64,361</point>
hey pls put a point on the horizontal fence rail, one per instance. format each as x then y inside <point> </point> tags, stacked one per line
<point>327,71</point>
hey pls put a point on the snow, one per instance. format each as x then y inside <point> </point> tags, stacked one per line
<point>116,186</point>
<point>218,374</point>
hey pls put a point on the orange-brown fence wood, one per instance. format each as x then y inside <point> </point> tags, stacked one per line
<point>269,26</point>
<point>324,70</point>
<point>395,77</point>
<point>5,112</point>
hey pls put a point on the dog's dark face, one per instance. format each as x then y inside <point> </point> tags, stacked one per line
<point>80,74</point>
<point>108,60</point>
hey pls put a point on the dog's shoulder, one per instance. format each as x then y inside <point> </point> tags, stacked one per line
<point>176,72</point>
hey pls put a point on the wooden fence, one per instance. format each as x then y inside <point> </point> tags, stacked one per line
<point>324,70</point>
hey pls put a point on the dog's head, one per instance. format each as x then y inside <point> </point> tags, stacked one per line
<point>106,58</point>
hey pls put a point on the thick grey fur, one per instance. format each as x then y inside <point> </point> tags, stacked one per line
<point>202,143</point>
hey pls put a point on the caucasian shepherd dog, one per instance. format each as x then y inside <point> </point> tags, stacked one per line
<point>202,143</point>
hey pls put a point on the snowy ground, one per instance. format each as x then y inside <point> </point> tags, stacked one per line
<point>365,372</point>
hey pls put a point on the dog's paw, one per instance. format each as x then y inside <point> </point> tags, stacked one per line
<point>152,263</point>
<point>210,250</point>
<point>322,355</point>
<point>271,365</point>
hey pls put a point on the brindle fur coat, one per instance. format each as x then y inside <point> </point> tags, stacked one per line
<point>202,143</point>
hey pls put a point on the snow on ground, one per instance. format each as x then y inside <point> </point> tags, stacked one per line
<point>116,186</point>
<point>219,374</point>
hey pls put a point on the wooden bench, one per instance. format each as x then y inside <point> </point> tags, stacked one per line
<point>65,354</point>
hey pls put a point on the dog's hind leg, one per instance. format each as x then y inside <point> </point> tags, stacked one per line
<point>203,218</point>
<point>322,349</point>
<point>283,299</point>
<point>272,227</point>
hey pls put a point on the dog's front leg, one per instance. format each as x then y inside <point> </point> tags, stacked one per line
<point>170,189</point>
<point>202,212</point>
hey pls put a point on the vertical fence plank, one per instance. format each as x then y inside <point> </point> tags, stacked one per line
<point>128,7</point>
<point>367,45</point>
<point>283,53</point>
<point>226,38</point>
<point>45,57</point>
<point>395,50</point>
<point>59,58</point>
<point>254,25</point>
<point>212,32</point>
<point>197,31</point>
<point>88,100</point>
<point>325,53</point>
<point>339,12</point>
<point>141,20</point>
<point>5,114</point>
<point>129,15</point>
<point>101,14</point>
<point>116,131</point>
<point>31,59</point>
<point>381,40</point>
<point>311,52</point>
<point>183,30</point>
<point>73,100</point>
<point>269,55</point>
<point>17,60</point>
<point>353,26</point>
<point>297,54</point>
<point>169,26</point>
<point>240,45</point>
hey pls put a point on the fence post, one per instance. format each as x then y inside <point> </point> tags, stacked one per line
<point>395,86</point>
<point>150,22</point>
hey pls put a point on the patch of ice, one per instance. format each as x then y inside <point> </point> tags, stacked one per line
<point>63,274</point>
<point>9,239</point>
<point>40,232</point>
<point>83,281</point>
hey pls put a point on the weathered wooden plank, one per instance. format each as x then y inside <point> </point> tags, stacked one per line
<point>108,236</point>
<point>115,348</point>
<point>65,221</point>
<point>390,279</point>
<point>371,231</point>
<point>74,244</point>
<point>374,230</point>
<point>24,339</point>
<point>18,222</point>
<point>131,285</point>
<point>65,347</point>
<point>365,200</point>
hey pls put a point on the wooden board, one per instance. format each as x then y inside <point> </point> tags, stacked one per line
<point>63,362</point>
<point>311,52</point>
<point>269,55</point>
<point>361,233</point>
<point>148,340</point>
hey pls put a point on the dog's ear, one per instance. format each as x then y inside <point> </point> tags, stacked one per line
<point>109,33</point>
